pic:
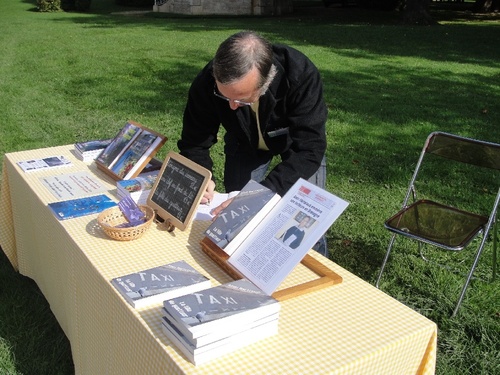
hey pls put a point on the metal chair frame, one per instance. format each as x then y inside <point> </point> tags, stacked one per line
<point>463,150</point>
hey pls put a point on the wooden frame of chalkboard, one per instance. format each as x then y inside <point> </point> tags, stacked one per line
<point>178,190</point>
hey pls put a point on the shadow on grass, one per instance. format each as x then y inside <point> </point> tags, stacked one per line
<point>348,93</point>
<point>323,27</point>
<point>377,100</point>
<point>27,325</point>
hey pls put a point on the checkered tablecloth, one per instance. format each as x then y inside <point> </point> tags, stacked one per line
<point>350,328</point>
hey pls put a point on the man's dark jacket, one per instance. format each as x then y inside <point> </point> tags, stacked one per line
<point>292,117</point>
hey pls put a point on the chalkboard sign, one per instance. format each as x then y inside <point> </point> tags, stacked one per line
<point>178,190</point>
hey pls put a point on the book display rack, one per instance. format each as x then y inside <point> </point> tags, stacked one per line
<point>326,278</point>
<point>130,151</point>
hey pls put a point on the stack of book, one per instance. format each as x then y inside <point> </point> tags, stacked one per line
<point>213,322</point>
<point>137,188</point>
<point>89,150</point>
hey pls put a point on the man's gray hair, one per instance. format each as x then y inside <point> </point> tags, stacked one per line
<point>239,54</point>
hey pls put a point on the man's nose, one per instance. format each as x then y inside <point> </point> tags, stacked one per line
<point>233,105</point>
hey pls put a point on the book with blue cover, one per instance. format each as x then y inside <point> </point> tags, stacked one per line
<point>130,152</point>
<point>81,206</point>
<point>131,156</point>
<point>89,150</point>
<point>137,188</point>
<point>93,145</point>
<point>118,145</point>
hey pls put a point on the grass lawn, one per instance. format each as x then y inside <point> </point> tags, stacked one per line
<point>67,77</point>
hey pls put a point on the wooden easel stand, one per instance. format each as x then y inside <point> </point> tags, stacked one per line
<point>326,276</point>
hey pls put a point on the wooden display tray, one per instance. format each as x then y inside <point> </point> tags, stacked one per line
<point>327,276</point>
<point>120,145</point>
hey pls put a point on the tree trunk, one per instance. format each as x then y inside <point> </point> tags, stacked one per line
<point>487,6</point>
<point>416,12</point>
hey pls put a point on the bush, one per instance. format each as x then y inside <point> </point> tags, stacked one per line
<point>48,5</point>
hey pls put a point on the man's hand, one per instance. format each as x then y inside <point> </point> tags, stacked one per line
<point>209,193</point>
<point>216,211</point>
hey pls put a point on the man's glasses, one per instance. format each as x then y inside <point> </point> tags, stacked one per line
<point>238,102</point>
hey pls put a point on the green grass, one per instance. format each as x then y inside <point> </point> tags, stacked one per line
<point>67,77</point>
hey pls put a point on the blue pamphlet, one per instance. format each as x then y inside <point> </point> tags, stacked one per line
<point>131,211</point>
<point>81,206</point>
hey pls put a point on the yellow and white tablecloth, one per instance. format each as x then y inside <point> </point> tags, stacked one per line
<point>349,328</point>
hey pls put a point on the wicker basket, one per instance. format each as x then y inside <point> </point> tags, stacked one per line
<point>110,218</point>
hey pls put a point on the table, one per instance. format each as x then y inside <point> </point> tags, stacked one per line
<point>349,328</point>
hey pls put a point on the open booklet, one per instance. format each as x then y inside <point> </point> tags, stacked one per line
<point>204,211</point>
<point>277,243</point>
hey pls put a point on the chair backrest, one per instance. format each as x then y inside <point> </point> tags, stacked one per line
<point>464,150</point>
<point>468,151</point>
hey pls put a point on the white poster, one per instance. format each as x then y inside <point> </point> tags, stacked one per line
<point>73,185</point>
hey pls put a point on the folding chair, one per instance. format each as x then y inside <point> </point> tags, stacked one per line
<point>441,225</point>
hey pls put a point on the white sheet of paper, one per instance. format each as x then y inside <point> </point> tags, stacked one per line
<point>73,185</point>
<point>204,210</point>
